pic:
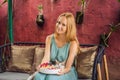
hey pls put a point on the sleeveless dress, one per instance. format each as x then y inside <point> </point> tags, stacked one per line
<point>59,54</point>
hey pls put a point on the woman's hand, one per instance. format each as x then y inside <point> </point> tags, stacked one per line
<point>42,65</point>
<point>38,68</point>
<point>63,71</point>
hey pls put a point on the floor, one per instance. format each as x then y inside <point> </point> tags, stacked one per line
<point>13,76</point>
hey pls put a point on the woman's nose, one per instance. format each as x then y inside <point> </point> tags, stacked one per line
<point>60,26</point>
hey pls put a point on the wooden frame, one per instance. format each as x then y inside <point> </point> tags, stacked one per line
<point>105,68</point>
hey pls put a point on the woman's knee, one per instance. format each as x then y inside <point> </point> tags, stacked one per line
<point>39,76</point>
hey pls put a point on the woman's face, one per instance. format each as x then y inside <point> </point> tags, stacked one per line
<point>61,25</point>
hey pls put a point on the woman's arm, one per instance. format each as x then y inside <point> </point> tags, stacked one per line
<point>72,53</point>
<point>46,57</point>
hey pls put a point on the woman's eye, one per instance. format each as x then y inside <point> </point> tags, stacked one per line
<point>58,22</point>
<point>63,25</point>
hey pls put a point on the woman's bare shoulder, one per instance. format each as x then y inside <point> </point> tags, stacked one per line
<point>73,43</point>
<point>48,38</point>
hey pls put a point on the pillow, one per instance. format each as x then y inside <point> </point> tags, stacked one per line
<point>39,53</point>
<point>21,58</point>
<point>85,61</point>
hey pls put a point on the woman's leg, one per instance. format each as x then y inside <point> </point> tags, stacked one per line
<point>40,76</point>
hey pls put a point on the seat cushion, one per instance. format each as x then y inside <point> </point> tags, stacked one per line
<point>13,76</point>
<point>39,53</point>
<point>21,58</point>
<point>85,61</point>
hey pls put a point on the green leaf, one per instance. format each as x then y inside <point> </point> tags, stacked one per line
<point>114,27</point>
<point>40,7</point>
<point>3,2</point>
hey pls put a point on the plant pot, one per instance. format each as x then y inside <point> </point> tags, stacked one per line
<point>103,40</point>
<point>79,17</point>
<point>40,20</point>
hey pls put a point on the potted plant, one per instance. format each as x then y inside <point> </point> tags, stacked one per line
<point>104,37</point>
<point>80,14</point>
<point>40,16</point>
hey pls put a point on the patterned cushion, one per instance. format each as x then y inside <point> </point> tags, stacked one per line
<point>21,58</point>
<point>85,61</point>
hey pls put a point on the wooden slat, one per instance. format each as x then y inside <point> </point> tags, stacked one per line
<point>99,76</point>
<point>106,67</point>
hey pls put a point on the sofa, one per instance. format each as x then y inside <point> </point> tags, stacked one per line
<point>18,60</point>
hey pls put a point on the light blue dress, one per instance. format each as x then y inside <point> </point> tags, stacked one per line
<point>59,54</point>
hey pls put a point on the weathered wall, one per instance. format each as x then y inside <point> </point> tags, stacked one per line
<point>98,15</point>
<point>3,22</point>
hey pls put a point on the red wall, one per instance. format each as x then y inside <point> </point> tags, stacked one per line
<point>3,23</point>
<point>98,15</point>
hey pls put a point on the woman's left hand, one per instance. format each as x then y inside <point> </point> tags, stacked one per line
<point>63,71</point>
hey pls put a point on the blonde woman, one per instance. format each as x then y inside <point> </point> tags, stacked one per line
<point>61,46</point>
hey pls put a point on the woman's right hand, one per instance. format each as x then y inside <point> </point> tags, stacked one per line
<point>42,65</point>
<point>38,67</point>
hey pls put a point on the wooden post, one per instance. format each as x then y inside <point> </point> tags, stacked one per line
<point>99,76</point>
<point>106,67</point>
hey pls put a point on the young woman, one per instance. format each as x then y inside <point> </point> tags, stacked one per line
<point>61,46</point>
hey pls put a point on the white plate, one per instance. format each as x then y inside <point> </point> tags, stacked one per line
<point>49,71</point>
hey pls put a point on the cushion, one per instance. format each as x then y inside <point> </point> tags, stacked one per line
<point>85,61</point>
<point>39,53</point>
<point>21,58</point>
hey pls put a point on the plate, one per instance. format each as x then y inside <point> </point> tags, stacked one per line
<point>49,68</point>
<point>49,71</point>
